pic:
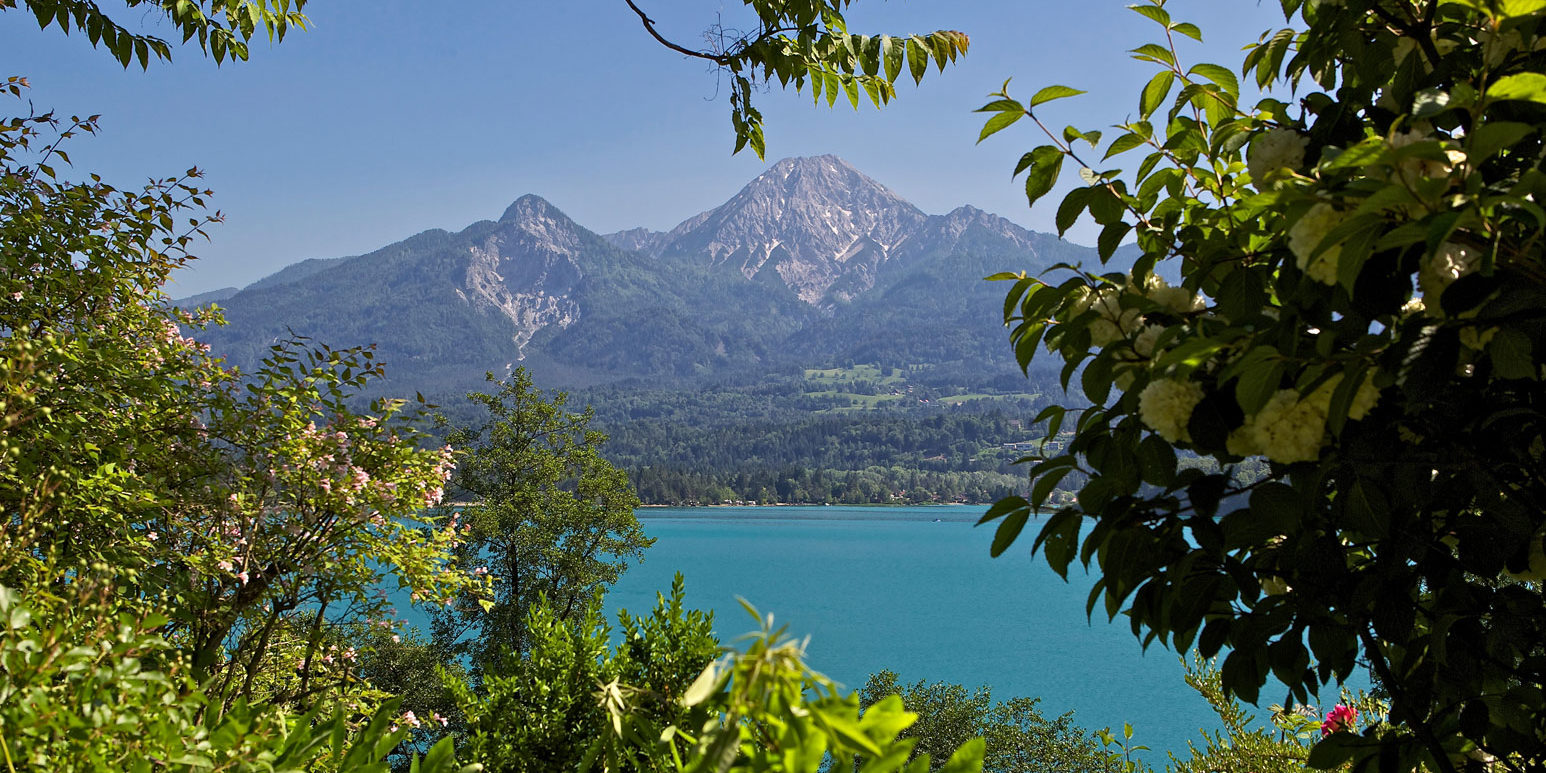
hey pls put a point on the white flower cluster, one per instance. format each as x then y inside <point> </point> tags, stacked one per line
<point>1410,170</point>
<point>1117,322</point>
<point>1292,428</point>
<point>1114,323</point>
<point>1166,405</point>
<point>1273,151</point>
<point>1177,300</point>
<point>1306,234</point>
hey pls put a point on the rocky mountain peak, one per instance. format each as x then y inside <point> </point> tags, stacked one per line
<point>529,206</point>
<point>527,269</point>
<point>816,222</point>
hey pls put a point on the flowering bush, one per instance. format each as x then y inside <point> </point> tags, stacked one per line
<point>194,541</point>
<point>1361,304</point>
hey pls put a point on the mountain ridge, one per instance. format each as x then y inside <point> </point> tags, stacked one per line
<point>810,262</point>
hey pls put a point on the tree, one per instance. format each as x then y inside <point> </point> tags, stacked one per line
<point>223,27</point>
<point>169,521</point>
<point>1362,305</point>
<point>1017,736</point>
<point>548,515</point>
<point>808,40</point>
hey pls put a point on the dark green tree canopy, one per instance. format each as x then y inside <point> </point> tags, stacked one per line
<point>544,514</point>
<point>1363,305</point>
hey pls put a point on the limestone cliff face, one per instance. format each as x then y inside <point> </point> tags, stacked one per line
<point>816,224</point>
<point>527,270</point>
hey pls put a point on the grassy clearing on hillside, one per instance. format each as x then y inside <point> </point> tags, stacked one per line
<point>867,372</point>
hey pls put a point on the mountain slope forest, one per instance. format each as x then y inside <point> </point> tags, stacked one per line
<point>814,339</point>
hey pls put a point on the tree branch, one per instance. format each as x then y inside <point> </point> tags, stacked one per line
<point>649,26</point>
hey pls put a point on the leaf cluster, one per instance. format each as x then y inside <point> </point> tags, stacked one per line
<point>808,42</point>
<point>223,28</point>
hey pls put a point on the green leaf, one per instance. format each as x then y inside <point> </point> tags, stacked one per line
<point>1046,162</point>
<point>1125,143</point>
<point>851,88</point>
<point>1059,541</point>
<point>1220,76</point>
<point>1366,509</point>
<point>1153,95</point>
<point>1053,92</point>
<point>1153,52</point>
<point>1332,751</point>
<point>1158,14</point>
<point>1527,86</point>
<point>967,758</point>
<point>917,57</point>
<point>1358,156</point>
<point>1510,351</point>
<point>1429,102</point>
<point>1494,136</point>
<point>441,757</point>
<point>997,123</point>
<point>870,57</point>
<point>1048,483</point>
<point>1072,206</point>
<point>1002,508</point>
<point>1009,530</point>
<point>1110,238</point>
<point>1157,460</point>
<point>1258,384</point>
<point>707,684</point>
<point>891,53</point>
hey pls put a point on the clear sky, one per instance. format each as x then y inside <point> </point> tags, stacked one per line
<point>390,117</point>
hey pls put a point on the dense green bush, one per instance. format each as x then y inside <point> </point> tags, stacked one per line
<point>546,707</point>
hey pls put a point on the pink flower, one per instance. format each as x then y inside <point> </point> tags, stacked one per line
<point>152,536</point>
<point>242,576</point>
<point>409,718</point>
<point>225,566</point>
<point>397,639</point>
<point>442,720</point>
<point>480,571</point>
<point>1339,719</point>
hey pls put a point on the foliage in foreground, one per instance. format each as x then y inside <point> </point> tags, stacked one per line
<point>546,707</point>
<point>195,544</point>
<point>764,709</point>
<point>85,690</point>
<point>1364,305</point>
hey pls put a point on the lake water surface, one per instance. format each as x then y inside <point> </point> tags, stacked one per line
<point>913,589</point>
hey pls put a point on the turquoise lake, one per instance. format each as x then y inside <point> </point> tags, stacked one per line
<point>913,589</point>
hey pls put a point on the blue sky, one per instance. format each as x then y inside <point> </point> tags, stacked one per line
<point>390,117</point>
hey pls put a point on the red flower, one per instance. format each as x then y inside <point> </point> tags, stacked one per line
<point>1339,718</point>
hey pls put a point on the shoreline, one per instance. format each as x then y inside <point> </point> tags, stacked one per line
<point>811,504</point>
